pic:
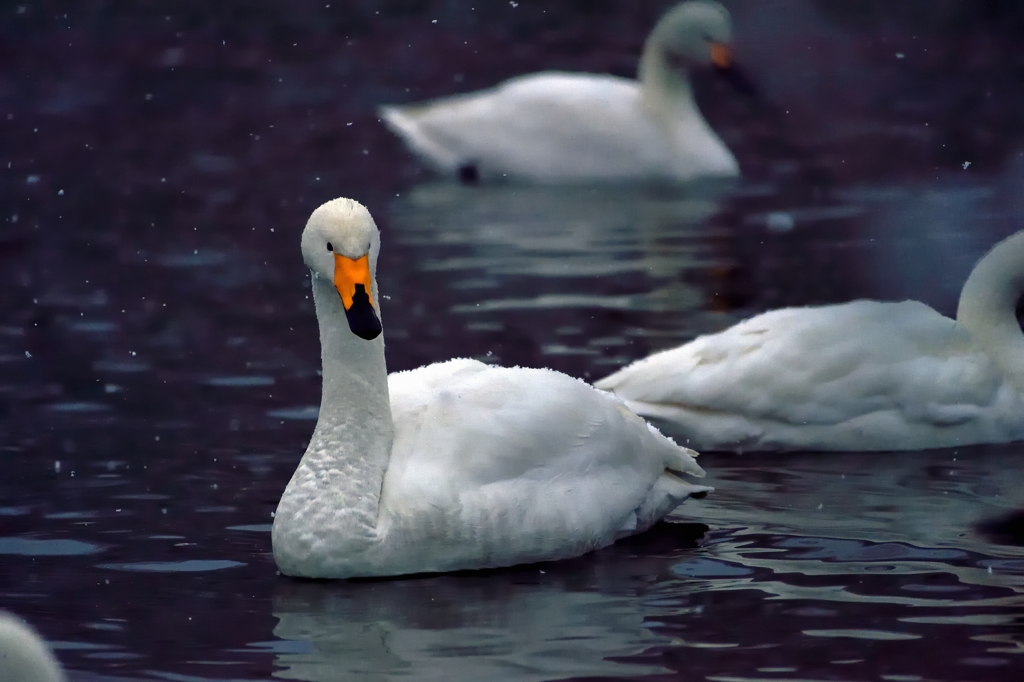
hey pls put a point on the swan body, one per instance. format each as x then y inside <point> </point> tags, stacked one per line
<point>24,656</point>
<point>457,465</point>
<point>864,375</point>
<point>565,127</point>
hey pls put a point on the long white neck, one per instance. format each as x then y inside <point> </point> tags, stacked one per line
<point>339,478</point>
<point>988,304</point>
<point>664,88</point>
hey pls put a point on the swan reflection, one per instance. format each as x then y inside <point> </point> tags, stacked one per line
<point>557,234</point>
<point>532,623</point>
<point>853,513</point>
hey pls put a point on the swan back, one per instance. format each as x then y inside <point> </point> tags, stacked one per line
<point>497,466</point>
<point>863,375</point>
<point>988,302</point>
<point>24,656</point>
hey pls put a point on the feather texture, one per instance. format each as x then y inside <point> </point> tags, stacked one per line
<point>864,375</point>
<point>457,465</point>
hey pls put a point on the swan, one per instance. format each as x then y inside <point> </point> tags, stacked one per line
<point>864,375</point>
<point>24,656</point>
<point>564,127</point>
<point>457,465</point>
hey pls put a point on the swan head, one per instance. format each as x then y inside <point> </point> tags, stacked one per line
<point>696,33</point>
<point>340,245</point>
<point>692,35</point>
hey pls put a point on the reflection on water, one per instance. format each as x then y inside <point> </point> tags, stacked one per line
<point>503,259</point>
<point>556,232</point>
<point>534,624</point>
<point>931,498</point>
<point>857,514</point>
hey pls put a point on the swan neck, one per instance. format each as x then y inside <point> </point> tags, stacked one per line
<point>354,370</point>
<point>351,444</point>
<point>988,302</point>
<point>664,88</point>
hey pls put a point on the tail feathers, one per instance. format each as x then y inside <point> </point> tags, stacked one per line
<point>676,457</point>
<point>667,493</point>
<point>684,462</point>
<point>403,122</point>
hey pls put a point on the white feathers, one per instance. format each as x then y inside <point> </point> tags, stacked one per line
<point>24,656</point>
<point>565,127</point>
<point>459,465</point>
<point>859,376</point>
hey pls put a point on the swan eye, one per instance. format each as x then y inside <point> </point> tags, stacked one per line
<point>330,247</point>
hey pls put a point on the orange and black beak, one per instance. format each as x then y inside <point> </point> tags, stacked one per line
<point>721,56</point>
<point>725,66</point>
<point>354,284</point>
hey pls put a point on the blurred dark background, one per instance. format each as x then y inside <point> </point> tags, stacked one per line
<point>140,138</point>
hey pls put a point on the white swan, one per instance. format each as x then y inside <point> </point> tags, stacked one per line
<point>457,465</point>
<point>24,656</point>
<point>863,375</point>
<point>556,126</point>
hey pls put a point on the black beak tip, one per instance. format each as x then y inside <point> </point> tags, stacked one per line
<point>368,331</point>
<point>738,78</point>
<point>362,319</point>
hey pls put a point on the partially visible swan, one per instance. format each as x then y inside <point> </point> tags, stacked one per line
<point>863,375</point>
<point>457,465</point>
<point>554,126</point>
<point>24,656</point>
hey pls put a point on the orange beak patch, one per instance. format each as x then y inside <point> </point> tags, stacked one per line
<point>720,55</point>
<point>349,272</point>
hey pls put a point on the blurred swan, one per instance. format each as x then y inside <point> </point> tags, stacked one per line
<point>556,126</point>
<point>457,465</point>
<point>863,375</point>
<point>24,656</point>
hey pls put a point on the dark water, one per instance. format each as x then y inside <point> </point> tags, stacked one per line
<point>159,357</point>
